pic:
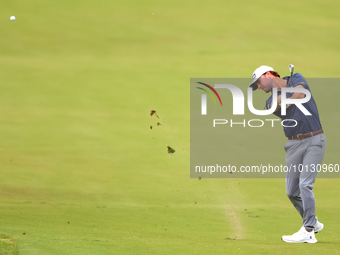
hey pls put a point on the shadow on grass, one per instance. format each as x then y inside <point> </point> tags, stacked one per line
<point>7,246</point>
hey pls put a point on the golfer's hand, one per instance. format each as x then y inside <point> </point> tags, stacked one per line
<point>278,103</point>
<point>279,100</point>
<point>278,106</point>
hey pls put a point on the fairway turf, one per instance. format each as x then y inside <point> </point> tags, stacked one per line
<point>7,245</point>
<point>81,170</point>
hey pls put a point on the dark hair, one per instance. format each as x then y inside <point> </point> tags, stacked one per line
<point>275,73</point>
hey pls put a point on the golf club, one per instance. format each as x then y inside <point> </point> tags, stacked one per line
<point>291,70</point>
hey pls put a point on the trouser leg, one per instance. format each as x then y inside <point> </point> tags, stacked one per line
<point>293,193</point>
<point>313,157</point>
<point>293,159</point>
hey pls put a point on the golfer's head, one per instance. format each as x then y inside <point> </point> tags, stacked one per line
<point>260,72</point>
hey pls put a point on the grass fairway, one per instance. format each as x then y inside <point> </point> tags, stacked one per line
<point>7,246</point>
<point>82,172</point>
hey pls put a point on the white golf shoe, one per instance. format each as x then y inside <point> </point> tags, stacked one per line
<point>302,236</point>
<point>318,226</point>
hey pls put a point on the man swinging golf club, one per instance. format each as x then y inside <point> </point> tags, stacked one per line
<point>305,147</point>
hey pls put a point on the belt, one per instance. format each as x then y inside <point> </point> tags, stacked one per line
<point>306,135</point>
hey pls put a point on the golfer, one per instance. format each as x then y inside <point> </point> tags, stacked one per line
<point>305,148</point>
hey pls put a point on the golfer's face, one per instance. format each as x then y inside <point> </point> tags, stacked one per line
<point>264,83</point>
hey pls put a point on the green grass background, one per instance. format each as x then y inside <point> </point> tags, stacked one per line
<point>81,171</point>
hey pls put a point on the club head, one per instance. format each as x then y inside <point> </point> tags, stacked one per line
<point>291,68</point>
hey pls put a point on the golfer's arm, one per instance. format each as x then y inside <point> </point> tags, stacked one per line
<point>296,95</point>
